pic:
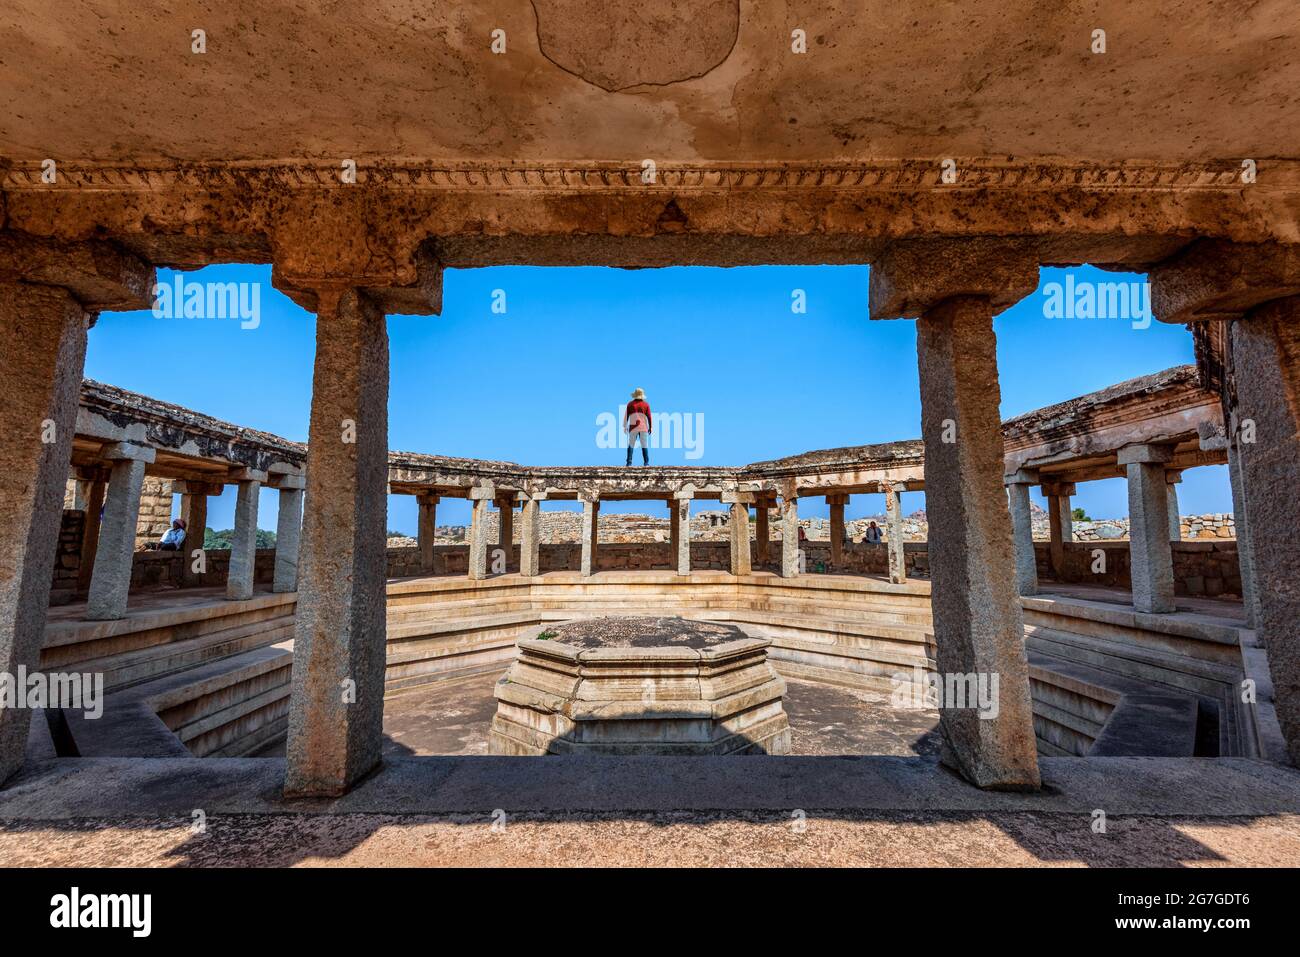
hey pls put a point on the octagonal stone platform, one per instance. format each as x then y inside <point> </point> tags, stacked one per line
<point>640,685</point>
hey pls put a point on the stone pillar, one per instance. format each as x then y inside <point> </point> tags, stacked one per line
<point>478,543</point>
<point>1172,478</point>
<point>837,503</point>
<point>111,580</point>
<point>789,532</point>
<point>1241,522</point>
<point>44,334</point>
<point>1150,559</point>
<point>590,532</point>
<point>896,543</point>
<point>336,710</point>
<point>739,502</point>
<point>978,624</point>
<point>681,522</point>
<point>90,531</point>
<point>1266,370</point>
<point>288,532</point>
<point>530,535</point>
<point>762,534</point>
<point>427,530</point>
<point>1022,531</point>
<point>1059,524</point>
<point>506,527</point>
<point>194,510</point>
<point>1067,516</point>
<point>243,543</point>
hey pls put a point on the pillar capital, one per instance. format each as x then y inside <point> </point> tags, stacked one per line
<point>1217,279</point>
<point>1021,477</point>
<point>837,498</point>
<point>97,274</point>
<point>128,451</point>
<point>191,487</point>
<point>737,498</point>
<point>1145,455</point>
<point>322,248</point>
<point>285,482</point>
<point>248,475</point>
<point>482,493</point>
<point>1173,476</point>
<point>914,275</point>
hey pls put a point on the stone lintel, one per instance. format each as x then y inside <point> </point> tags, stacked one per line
<point>1218,279</point>
<point>248,475</point>
<point>190,487</point>
<point>1151,454</point>
<point>914,275</point>
<point>99,275</point>
<point>737,498</point>
<point>1021,477</point>
<point>121,451</point>
<point>1058,489</point>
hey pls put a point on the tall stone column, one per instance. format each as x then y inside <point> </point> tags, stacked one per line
<point>1241,523</point>
<point>954,288</point>
<point>762,534</point>
<point>288,532</point>
<point>1150,559</point>
<point>1172,478</point>
<point>530,535</point>
<point>42,351</point>
<point>1022,531</point>
<point>243,543</point>
<point>1266,370</point>
<point>478,535</point>
<point>427,530</point>
<point>1067,514</point>
<point>194,510</point>
<point>739,502</point>
<point>896,544</point>
<point>506,527</point>
<point>681,521</point>
<point>1256,288</point>
<point>837,503</point>
<point>111,580</point>
<point>789,532</point>
<point>590,532</point>
<point>1059,524</point>
<point>336,708</point>
<point>90,531</point>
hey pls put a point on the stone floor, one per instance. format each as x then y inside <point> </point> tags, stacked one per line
<point>453,718</point>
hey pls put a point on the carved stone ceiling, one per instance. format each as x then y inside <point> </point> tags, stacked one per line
<point>676,81</point>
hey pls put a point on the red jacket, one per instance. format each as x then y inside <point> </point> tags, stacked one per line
<point>638,407</point>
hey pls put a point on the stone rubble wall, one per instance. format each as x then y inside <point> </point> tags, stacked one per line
<point>155,511</point>
<point>1201,568</point>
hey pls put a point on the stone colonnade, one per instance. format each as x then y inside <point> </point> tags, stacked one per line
<point>953,289</point>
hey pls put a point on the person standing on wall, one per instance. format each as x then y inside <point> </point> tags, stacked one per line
<point>638,425</point>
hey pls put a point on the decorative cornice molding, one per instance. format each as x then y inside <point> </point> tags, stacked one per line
<point>875,175</point>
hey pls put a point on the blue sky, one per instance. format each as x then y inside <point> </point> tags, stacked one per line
<point>529,383</point>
